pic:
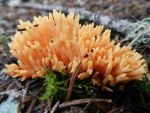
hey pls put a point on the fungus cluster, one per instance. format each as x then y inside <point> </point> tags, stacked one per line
<point>61,43</point>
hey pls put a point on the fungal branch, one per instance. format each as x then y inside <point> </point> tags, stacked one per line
<point>61,43</point>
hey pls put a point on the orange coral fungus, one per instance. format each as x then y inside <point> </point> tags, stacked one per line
<point>59,42</point>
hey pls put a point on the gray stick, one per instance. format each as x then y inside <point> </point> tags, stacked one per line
<point>110,22</point>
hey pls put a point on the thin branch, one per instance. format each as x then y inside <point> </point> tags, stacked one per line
<point>4,85</point>
<point>30,109</point>
<point>55,107</point>
<point>49,103</point>
<point>72,81</point>
<point>24,91</point>
<point>89,102</point>
<point>83,101</point>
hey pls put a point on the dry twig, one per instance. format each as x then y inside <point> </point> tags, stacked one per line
<point>55,107</point>
<point>49,103</point>
<point>83,101</point>
<point>30,109</point>
<point>3,86</point>
<point>25,92</point>
<point>72,81</point>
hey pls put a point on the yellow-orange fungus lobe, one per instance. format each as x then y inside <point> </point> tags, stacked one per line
<point>60,42</point>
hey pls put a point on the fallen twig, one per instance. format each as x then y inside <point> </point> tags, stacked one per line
<point>89,102</point>
<point>3,86</point>
<point>30,109</point>
<point>55,107</point>
<point>18,83</point>
<point>25,92</point>
<point>72,81</point>
<point>49,103</point>
<point>83,101</point>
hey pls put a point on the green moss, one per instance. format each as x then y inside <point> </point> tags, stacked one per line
<point>54,83</point>
<point>51,85</point>
<point>3,39</point>
<point>144,86</point>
